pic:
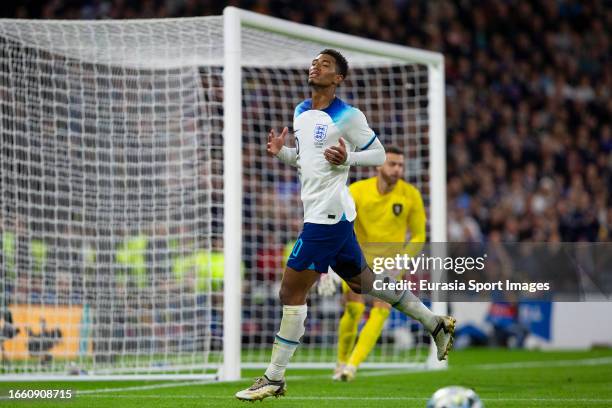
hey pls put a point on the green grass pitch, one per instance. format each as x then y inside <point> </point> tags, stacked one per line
<point>502,379</point>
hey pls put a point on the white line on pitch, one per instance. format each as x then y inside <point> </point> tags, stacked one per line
<point>145,387</point>
<point>374,373</point>
<point>352,398</point>
<point>538,364</point>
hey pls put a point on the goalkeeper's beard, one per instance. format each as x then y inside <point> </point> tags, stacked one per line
<point>391,181</point>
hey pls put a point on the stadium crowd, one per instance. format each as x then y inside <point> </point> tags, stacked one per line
<point>528,99</point>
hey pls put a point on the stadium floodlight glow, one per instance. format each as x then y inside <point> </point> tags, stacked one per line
<point>133,156</point>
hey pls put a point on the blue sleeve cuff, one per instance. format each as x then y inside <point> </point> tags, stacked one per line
<point>369,143</point>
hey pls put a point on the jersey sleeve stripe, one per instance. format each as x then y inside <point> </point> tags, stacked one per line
<point>369,143</point>
<point>283,340</point>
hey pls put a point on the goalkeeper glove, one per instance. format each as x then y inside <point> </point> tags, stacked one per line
<point>328,283</point>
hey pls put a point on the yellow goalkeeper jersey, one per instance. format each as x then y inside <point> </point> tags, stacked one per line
<point>387,217</point>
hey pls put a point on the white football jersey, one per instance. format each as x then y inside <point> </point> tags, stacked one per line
<point>325,194</point>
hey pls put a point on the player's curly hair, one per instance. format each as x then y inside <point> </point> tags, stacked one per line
<point>341,62</point>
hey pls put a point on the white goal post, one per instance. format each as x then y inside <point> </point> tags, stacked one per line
<point>142,225</point>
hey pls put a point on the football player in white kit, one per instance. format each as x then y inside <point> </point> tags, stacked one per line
<point>330,137</point>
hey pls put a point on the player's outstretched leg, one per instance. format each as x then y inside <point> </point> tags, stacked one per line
<point>441,328</point>
<point>294,289</point>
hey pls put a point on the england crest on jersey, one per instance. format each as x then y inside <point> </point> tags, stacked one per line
<point>320,133</point>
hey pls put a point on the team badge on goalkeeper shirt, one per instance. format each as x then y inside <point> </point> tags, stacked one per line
<point>397,208</point>
<point>320,133</point>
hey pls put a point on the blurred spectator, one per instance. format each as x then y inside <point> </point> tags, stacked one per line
<point>507,330</point>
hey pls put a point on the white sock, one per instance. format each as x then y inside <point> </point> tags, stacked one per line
<point>407,303</point>
<point>287,340</point>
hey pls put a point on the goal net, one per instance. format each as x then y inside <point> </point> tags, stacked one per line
<point>126,160</point>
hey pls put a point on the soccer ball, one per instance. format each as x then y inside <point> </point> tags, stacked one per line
<point>455,397</point>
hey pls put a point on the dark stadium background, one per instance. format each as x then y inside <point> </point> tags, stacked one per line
<point>528,99</point>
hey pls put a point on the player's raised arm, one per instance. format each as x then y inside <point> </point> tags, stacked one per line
<point>276,146</point>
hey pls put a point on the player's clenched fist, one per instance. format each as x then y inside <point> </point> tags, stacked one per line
<point>276,143</point>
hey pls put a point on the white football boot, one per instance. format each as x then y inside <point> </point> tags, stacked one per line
<point>349,373</point>
<point>338,372</point>
<point>263,388</point>
<point>443,335</point>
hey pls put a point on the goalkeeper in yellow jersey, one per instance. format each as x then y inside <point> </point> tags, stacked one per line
<point>387,209</point>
